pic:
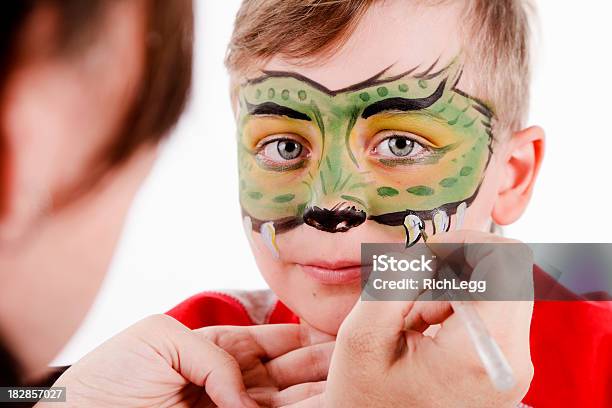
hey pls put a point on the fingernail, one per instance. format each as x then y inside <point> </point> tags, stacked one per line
<point>247,401</point>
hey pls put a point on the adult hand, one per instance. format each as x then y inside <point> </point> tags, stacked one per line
<point>281,364</point>
<point>160,362</point>
<point>383,359</point>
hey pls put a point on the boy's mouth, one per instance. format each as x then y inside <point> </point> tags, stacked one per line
<point>332,273</point>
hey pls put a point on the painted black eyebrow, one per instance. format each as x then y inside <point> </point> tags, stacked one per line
<point>404,104</point>
<point>271,108</point>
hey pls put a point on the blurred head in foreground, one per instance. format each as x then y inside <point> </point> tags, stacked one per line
<point>87,89</point>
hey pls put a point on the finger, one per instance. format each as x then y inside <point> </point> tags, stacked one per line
<point>426,313</point>
<point>278,340</point>
<point>202,363</point>
<point>273,339</point>
<point>292,395</point>
<point>303,365</point>
<point>455,239</point>
<point>489,255</point>
<point>506,268</point>
<point>316,401</point>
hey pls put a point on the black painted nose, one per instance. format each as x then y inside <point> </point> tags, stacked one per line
<point>336,219</point>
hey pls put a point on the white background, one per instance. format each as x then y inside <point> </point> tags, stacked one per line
<point>184,232</point>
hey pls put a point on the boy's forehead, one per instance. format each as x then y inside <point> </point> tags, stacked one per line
<point>397,35</point>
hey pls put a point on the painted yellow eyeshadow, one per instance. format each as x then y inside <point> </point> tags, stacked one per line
<point>436,131</point>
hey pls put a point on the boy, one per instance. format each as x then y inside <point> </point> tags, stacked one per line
<point>371,121</point>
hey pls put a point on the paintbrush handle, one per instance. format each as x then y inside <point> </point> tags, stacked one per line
<point>493,359</point>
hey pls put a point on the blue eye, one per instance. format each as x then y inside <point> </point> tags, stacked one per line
<point>282,152</point>
<point>398,146</point>
<point>288,149</point>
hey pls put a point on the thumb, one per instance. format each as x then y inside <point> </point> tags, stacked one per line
<point>204,364</point>
<point>375,328</point>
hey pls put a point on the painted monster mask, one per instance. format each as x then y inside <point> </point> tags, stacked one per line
<point>397,151</point>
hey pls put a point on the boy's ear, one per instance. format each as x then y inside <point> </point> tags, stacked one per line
<point>520,169</point>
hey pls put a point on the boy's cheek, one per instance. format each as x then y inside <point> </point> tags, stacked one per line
<point>323,307</point>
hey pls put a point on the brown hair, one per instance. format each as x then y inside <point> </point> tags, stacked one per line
<point>496,42</point>
<point>165,85</point>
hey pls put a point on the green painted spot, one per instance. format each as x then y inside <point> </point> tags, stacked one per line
<point>421,190</point>
<point>271,93</point>
<point>258,94</point>
<point>242,184</point>
<point>466,171</point>
<point>403,87</point>
<point>285,94</point>
<point>255,195</point>
<point>382,91</point>
<point>442,109</point>
<point>285,198</point>
<point>422,83</point>
<point>450,100</point>
<point>387,191</point>
<point>448,182</point>
<point>364,96</point>
<point>454,160</point>
<point>302,95</point>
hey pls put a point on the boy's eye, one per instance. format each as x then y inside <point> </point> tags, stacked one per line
<point>287,149</point>
<point>281,153</point>
<point>398,146</point>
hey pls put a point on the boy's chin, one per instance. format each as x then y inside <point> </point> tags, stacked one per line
<point>325,312</point>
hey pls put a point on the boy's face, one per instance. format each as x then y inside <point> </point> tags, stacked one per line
<point>383,142</point>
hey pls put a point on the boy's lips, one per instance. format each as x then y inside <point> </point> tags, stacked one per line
<point>333,273</point>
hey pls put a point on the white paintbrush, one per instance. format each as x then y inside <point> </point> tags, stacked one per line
<point>491,356</point>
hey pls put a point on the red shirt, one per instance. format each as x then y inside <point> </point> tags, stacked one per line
<point>571,341</point>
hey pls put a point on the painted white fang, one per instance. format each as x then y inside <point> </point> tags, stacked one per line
<point>248,229</point>
<point>268,234</point>
<point>441,222</point>
<point>460,215</point>
<point>414,227</point>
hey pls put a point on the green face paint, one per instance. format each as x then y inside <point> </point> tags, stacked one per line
<point>380,150</point>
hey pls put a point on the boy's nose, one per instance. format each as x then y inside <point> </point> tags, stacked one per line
<point>339,218</point>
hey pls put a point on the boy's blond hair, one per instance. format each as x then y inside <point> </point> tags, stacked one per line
<point>496,42</point>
